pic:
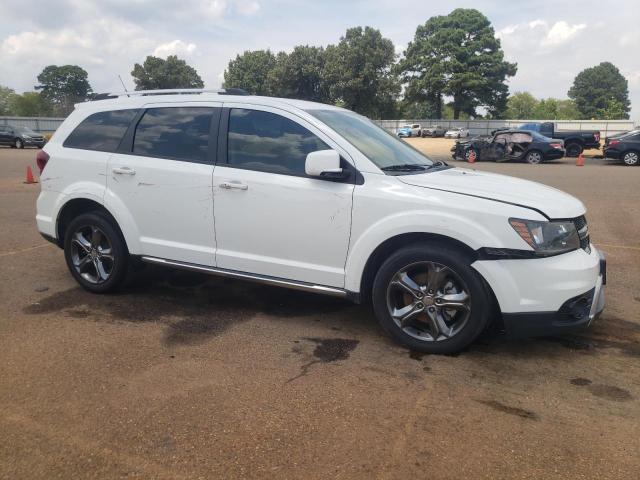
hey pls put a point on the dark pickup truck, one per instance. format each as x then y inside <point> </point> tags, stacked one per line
<point>575,141</point>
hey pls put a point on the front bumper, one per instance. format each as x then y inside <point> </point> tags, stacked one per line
<point>34,142</point>
<point>548,296</point>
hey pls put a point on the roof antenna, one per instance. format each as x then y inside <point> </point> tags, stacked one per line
<point>123,86</point>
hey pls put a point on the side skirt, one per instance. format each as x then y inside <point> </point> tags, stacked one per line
<point>265,279</point>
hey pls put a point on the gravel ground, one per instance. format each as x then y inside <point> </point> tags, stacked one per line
<point>183,376</point>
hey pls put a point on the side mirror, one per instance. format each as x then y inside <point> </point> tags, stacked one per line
<point>323,163</point>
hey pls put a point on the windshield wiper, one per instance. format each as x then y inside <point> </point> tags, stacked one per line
<point>405,167</point>
<point>439,163</point>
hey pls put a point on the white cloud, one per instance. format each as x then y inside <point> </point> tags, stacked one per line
<point>561,31</point>
<point>247,7</point>
<point>177,47</point>
<point>537,23</point>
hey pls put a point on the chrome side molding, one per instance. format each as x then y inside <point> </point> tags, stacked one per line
<point>278,282</point>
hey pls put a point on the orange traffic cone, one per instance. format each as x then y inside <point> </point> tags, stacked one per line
<point>30,178</point>
<point>580,160</point>
<point>472,156</point>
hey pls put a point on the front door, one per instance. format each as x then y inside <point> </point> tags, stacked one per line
<point>271,218</point>
<point>162,183</point>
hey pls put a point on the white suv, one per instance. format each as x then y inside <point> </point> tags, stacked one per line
<point>316,198</point>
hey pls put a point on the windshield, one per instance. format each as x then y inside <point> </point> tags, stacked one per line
<point>26,130</point>
<point>379,146</point>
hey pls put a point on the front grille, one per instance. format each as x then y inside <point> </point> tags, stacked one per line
<point>583,232</point>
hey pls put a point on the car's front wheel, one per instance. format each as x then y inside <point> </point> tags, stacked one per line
<point>95,252</point>
<point>430,299</point>
<point>19,143</point>
<point>630,158</point>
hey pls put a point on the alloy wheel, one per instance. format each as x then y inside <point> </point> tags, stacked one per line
<point>630,158</point>
<point>534,157</point>
<point>428,301</point>
<point>92,254</point>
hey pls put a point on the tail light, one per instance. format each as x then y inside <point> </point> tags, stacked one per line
<point>613,142</point>
<point>596,136</point>
<point>42,158</point>
<point>556,145</point>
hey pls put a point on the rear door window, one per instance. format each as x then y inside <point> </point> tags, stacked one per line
<point>178,133</point>
<point>101,131</point>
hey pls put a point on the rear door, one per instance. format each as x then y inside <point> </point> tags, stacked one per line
<point>5,136</point>
<point>160,179</point>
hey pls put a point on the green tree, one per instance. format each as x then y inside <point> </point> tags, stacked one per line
<point>601,89</point>
<point>63,86</point>
<point>299,74</point>
<point>458,55</point>
<point>6,98</point>
<point>358,72</point>
<point>31,104</point>
<point>567,110</point>
<point>251,71</point>
<point>521,105</point>
<point>157,74</point>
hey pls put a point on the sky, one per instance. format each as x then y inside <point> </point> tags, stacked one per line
<point>551,41</point>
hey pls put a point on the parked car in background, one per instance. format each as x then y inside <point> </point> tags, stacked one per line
<point>328,202</point>
<point>20,137</point>
<point>457,133</point>
<point>412,130</point>
<point>575,141</point>
<point>510,145</point>
<point>434,131</point>
<point>625,147</point>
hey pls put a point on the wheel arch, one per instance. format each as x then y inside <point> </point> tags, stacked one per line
<point>382,251</point>
<point>78,206</point>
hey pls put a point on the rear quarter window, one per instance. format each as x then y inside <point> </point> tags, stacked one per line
<point>101,131</point>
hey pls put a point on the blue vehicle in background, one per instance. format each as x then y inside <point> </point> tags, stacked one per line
<point>413,130</point>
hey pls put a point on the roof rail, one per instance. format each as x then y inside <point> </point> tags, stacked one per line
<point>173,91</point>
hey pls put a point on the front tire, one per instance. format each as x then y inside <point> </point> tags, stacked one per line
<point>19,143</point>
<point>430,300</point>
<point>631,158</point>
<point>96,253</point>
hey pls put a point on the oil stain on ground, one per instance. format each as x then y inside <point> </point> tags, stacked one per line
<point>608,392</point>
<point>327,350</point>
<point>194,307</point>
<point>501,407</point>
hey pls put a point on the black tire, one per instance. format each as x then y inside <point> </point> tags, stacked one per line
<point>573,149</point>
<point>476,318</point>
<point>117,268</point>
<point>534,157</point>
<point>631,158</point>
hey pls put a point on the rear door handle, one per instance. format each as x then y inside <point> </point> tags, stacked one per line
<point>124,171</point>
<point>236,185</point>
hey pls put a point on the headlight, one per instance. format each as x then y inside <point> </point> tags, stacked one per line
<point>547,238</point>
<point>26,137</point>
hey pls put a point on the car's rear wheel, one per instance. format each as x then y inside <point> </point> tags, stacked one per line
<point>95,252</point>
<point>631,158</point>
<point>573,149</point>
<point>534,157</point>
<point>430,299</point>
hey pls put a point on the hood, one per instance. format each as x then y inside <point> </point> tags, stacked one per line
<point>552,202</point>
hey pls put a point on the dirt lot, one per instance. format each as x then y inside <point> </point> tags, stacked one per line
<point>183,376</point>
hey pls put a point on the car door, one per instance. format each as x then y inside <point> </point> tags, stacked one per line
<point>271,218</point>
<point>5,138</point>
<point>160,179</point>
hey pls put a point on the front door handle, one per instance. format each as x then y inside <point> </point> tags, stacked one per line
<point>124,171</point>
<point>236,185</point>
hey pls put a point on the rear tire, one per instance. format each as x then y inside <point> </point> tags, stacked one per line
<point>631,158</point>
<point>96,253</point>
<point>414,287</point>
<point>573,149</point>
<point>534,157</point>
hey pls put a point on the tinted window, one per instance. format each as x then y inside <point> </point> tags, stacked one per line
<point>101,131</point>
<point>268,142</point>
<point>181,133</point>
